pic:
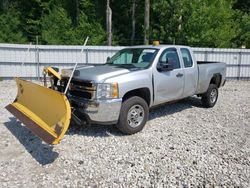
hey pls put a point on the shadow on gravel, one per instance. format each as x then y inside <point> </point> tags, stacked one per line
<point>111,130</point>
<point>42,153</point>
<point>171,108</point>
<point>94,130</point>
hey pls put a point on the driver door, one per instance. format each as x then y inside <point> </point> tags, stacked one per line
<point>168,84</point>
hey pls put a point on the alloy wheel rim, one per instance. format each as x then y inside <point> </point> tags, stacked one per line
<point>213,96</point>
<point>135,116</point>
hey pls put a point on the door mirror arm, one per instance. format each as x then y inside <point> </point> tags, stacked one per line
<point>108,59</point>
<point>164,67</point>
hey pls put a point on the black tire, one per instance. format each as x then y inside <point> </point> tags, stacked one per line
<point>207,99</point>
<point>127,106</point>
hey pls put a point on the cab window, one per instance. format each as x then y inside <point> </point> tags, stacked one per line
<point>133,57</point>
<point>170,56</point>
<point>124,58</point>
<point>186,56</point>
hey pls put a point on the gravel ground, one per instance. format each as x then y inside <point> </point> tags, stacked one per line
<point>182,145</point>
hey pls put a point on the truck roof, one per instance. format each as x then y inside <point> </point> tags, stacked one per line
<point>158,46</point>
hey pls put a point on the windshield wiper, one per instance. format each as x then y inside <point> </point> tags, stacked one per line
<point>122,65</point>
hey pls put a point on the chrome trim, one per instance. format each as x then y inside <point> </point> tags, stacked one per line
<point>100,110</point>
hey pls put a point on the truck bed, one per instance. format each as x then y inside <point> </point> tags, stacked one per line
<point>206,70</point>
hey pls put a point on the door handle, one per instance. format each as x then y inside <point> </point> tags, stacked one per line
<point>179,75</point>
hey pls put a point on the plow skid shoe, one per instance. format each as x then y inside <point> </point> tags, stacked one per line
<point>44,111</point>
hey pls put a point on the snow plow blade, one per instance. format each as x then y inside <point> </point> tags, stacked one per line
<point>44,111</point>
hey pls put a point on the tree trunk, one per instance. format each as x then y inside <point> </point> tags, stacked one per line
<point>146,22</point>
<point>77,13</point>
<point>133,22</point>
<point>179,39</point>
<point>109,23</point>
<point>72,9</point>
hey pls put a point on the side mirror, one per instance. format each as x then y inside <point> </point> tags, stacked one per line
<point>164,67</point>
<point>108,59</point>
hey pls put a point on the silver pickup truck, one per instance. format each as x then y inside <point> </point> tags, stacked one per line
<point>122,90</point>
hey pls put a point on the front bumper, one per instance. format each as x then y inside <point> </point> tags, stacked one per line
<point>97,111</point>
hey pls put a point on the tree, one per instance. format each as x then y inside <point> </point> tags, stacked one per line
<point>31,13</point>
<point>211,24</point>
<point>85,28</point>
<point>242,5</point>
<point>168,21</point>
<point>243,37</point>
<point>206,23</point>
<point>56,27</point>
<point>122,22</point>
<point>10,32</point>
<point>243,18</point>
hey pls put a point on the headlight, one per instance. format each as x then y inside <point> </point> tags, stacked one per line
<point>107,91</point>
<point>66,72</point>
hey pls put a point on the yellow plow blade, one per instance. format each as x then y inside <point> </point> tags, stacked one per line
<point>44,111</point>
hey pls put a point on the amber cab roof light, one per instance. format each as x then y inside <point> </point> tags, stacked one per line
<point>156,43</point>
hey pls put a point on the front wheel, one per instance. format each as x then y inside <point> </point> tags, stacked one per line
<point>133,115</point>
<point>209,98</point>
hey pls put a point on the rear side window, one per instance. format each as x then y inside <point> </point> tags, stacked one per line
<point>187,59</point>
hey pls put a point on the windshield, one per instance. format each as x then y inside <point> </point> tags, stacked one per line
<point>133,57</point>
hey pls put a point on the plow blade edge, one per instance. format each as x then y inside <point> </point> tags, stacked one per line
<point>44,111</point>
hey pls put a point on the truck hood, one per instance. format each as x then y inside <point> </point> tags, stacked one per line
<point>99,73</point>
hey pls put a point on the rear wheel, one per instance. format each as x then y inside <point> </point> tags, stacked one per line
<point>209,98</point>
<point>133,115</point>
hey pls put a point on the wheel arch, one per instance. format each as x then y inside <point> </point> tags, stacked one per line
<point>216,79</point>
<point>144,93</point>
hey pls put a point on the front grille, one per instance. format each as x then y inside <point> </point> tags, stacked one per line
<point>82,89</point>
<point>82,83</point>
<point>81,94</point>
